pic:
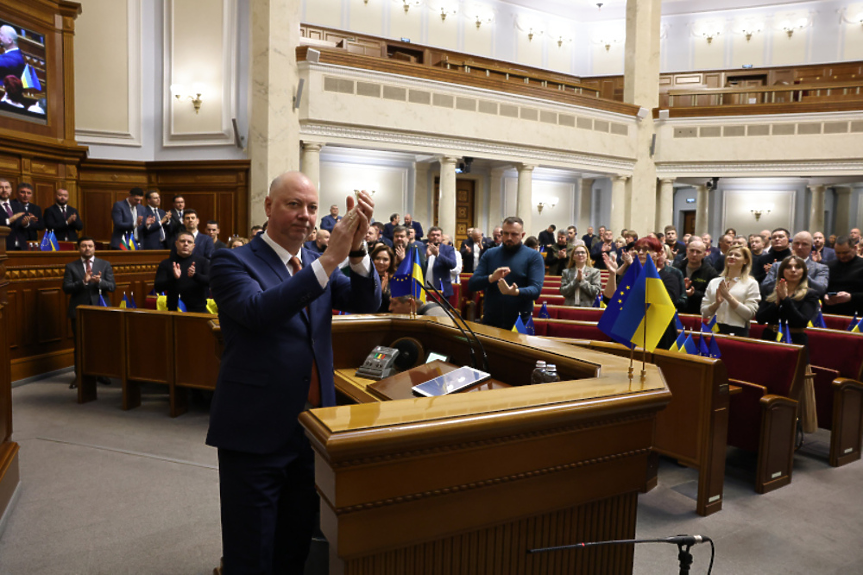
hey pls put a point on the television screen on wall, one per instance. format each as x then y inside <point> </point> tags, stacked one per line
<point>23,90</point>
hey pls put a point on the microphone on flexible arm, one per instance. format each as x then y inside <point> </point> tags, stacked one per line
<point>451,317</point>
<point>452,313</point>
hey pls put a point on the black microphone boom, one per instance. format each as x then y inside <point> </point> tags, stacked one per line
<point>450,315</point>
<point>447,306</point>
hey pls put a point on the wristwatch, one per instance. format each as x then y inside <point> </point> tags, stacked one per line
<point>358,253</point>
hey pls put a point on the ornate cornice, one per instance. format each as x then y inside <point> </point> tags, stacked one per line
<point>431,143</point>
<point>834,167</point>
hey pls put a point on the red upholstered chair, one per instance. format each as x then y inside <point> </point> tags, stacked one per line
<point>580,313</point>
<point>575,330</point>
<point>837,321</point>
<point>755,330</point>
<point>837,361</point>
<point>553,310</point>
<point>540,326</point>
<point>690,321</point>
<point>551,299</point>
<point>762,418</point>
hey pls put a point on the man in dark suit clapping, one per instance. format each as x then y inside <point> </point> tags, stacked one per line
<point>184,276</point>
<point>472,249</point>
<point>152,232</point>
<point>127,215</point>
<point>31,222</point>
<point>63,219</point>
<point>84,279</point>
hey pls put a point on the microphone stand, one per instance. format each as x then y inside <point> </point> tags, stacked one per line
<point>683,542</point>
<point>463,332</point>
<point>453,312</point>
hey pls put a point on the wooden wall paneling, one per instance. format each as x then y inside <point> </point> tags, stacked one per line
<point>10,478</point>
<point>101,183</point>
<point>226,216</point>
<point>26,303</point>
<point>95,211</point>
<point>14,324</point>
<point>50,316</point>
<point>108,359</point>
<point>43,194</point>
<point>150,347</point>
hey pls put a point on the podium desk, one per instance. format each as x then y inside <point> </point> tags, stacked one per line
<point>469,482</point>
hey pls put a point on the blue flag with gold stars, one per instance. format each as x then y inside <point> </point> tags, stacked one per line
<point>615,305</point>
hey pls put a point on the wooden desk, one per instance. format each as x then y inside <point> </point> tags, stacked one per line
<point>467,483</point>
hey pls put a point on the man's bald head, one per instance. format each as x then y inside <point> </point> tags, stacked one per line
<point>292,210</point>
<point>802,244</point>
<point>289,180</point>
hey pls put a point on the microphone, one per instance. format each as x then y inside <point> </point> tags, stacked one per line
<point>687,539</point>
<point>450,315</point>
<point>448,306</point>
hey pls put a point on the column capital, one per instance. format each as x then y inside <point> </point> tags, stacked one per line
<point>666,181</point>
<point>844,190</point>
<point>312,146</point>
<point>619,178</point>
<point>449,159</point>
<point>525,167</point>
<point>817,187</point>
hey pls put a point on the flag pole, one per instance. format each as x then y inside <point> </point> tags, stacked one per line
<point>644,333</point>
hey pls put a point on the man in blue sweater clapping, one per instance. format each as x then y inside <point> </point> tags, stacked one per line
<point>511,276</point>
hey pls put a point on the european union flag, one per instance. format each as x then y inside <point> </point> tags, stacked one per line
<point>647,311</point>
<point>45,246</point>
<point>615,305</point>
<point>543,312</point>
<point>102,301</point>
<point>703,350</point>
<point>853,325</point>
<point>528,326</point>
<point>714,349</point>
<point>818,320</point>
<point>408,279</point>
<point>677,323</point>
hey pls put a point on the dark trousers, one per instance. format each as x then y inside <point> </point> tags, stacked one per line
<point>726,329</point>
<point>75,342</point>
<point>269,505</point>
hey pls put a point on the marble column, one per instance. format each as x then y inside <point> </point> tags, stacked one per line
<point>816,212</point>
<point>524,203</point>
<point>446,206</point>
<point>641,77</point>
<point>702,211</point>
<point>585,206</point>
<point>274,127</point>
<point>665,209</point>
<point>312,162</point>
<point>618,204</point>
<point>842,209</point>
<point>421,212</point>
<point>495,199</point>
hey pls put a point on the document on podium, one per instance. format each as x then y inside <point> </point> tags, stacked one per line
<point>451,382</point>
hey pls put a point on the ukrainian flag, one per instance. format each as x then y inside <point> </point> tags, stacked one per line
<point>710,326</point>
<point>52,241</point>
<point>818,320</point>
<point>689,346</point>
<point>519,326</point>
<point>677,322</point>
<point>853,326</point>
<point>678,344</point>
<point>29,79</point>
<point>598,301</point>
<point>647,312</point>
<point>214,309</point>
<point>132,245</point>
<point>408,279</point>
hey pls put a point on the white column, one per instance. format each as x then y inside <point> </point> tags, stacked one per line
<point>842,209</point>
<point>524,203</point>
<point>641,77</point>
<point>422,213</point>
<point>274,128</point>
<point>495,199</point>
<point>585,206</point>
<point>312,162</point>
<point>665,210</point>
<point>702,211</point>
<point>816,212</point>
<point>618,204</point>
<point>446,206</point>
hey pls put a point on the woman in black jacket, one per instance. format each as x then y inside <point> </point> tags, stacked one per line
<point>791,301</point>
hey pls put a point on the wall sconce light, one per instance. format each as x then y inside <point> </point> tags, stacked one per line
<point>710,36</point>
<point>550,202</point>
<point>447,11</point>
<point>561,39</point>
<point>758,211</point>
<point>483,18</point>
<point>748,32</point>
<point>408,3</point>
<point>195,96</point>
<point>791,26</point>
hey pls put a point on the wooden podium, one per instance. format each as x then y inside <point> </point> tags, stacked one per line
<point>468,483</point>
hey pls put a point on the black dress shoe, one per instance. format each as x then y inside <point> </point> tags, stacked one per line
<point>73,385</point>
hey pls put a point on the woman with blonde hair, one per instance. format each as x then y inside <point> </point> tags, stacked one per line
<point>580,281</point>
<point>733,297</point>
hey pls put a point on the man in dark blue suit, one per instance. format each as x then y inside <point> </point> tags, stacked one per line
<point>11,216</point>
<point>31,223</point>
<point>11,60</point>
<point>153,232</point>
<point>275,303</point>
<point>127,215</point>
<point>63,219</point>
<point>203,243</point>
<point>319,244</point>
<point>417,227</point>
<point>440,260</point>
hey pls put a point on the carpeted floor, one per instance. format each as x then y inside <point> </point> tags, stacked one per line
<point>114,492</point>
